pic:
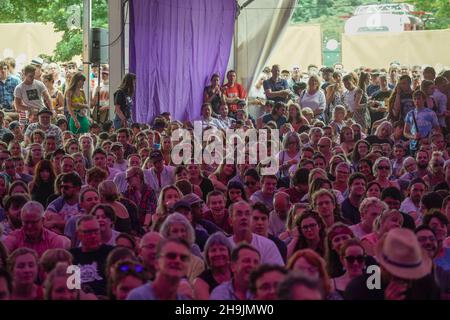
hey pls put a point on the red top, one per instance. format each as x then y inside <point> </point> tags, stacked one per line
<point>232,92</point>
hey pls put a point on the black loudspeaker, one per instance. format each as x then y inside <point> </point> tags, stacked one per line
<point>99,46</point>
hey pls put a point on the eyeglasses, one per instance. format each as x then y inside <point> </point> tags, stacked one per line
<point>32,222</point>
<point>127,268</point>
<point>90,231</point>
<point>174,255</point>
<point>323,146</point>
<point>65,187</point>
<point>352,259</point>
<point>383,168</point>
<point>309,226</point>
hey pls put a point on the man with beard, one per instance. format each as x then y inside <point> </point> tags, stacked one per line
<point>423,159</point>
<point>12,207</point>
<point>267,192</point>
<point>240,218</point>
<point>427,239</point>
<point>350,207</point>
<point>411,205</point>
<point>244,259</point>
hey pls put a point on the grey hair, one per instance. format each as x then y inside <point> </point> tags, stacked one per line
<point>217,238</point>
<point>377,162</point>
<point>32,207</point>
<point>178,218</point>
<point>372,201</point>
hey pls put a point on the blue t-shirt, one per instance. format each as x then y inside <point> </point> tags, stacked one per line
<point>444,261</point>
<point>426,119</point>
<point>145,292</point>
<point>279,85</point>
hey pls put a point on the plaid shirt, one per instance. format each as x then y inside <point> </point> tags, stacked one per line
<point>7,92</point>
<point>146,204</point>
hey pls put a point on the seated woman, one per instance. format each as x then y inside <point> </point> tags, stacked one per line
<point>217,256</point>
<point>353,258</point>
<point>224,173</point>
<point>177,226</point>
<point>382,169</point>
<point>311,234</point>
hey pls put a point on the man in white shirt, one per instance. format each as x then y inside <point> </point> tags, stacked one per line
<point>160,175</point>
<point>240,218</point>
<point>121,163</point>
<point>411,205</point>
<point>31,95</point>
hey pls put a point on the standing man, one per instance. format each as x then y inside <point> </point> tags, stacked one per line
<point>276,88</point>
<point>7,85</point>
<point>420,122</point>
<point>31,95</point>
<point>233,92</point>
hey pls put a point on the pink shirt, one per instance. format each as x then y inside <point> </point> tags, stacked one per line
<point>49,240</point>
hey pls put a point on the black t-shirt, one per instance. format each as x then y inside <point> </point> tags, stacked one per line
<point>280,245</point>
<point>124,101</point>
<point>92,265</point>
<point>350,212</point>
<point>381,95</point>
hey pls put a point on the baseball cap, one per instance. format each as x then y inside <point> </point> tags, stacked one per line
<point>181,204</point>
<point>192,199</point>
<point>13,125</point>
<point>116,145</point>
<point>45,110</point>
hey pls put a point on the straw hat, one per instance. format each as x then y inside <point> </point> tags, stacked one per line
<point>401,255</point>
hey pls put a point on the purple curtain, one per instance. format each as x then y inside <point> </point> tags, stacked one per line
<point>175,47</point>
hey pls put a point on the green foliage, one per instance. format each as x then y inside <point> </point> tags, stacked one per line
<point>56,11</point>
<point>440,9</point>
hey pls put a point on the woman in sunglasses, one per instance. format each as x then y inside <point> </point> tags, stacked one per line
<point>127,275</point>
<point>382,170</point>
<point>353,258</point>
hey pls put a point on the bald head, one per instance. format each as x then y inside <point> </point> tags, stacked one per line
<point>281,204</point>
<point>32,208</point>
<point>147,250</point>
<point>150,238</point>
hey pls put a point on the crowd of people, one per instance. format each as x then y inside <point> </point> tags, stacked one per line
<point>361,191</point>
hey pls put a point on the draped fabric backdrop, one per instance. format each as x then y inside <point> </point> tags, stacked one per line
<point>175,47</point>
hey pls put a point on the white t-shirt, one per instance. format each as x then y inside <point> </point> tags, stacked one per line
<point>315,101</point>
<point>31,94</point>
<point>266,247</point>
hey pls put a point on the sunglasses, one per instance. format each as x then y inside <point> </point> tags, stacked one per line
<point>352,259</point>
<point>174,255</point>
<point>127,268</point>
<point>383,168</point>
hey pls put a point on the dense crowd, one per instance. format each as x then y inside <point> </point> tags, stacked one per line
<point>94,207</point>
